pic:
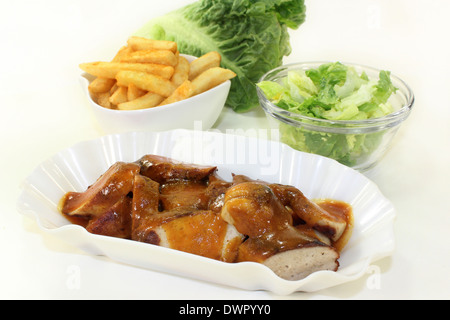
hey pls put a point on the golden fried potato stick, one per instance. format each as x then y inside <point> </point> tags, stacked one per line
<point>139,43</point>
<point>110,69</point>
<point>134,92</point>
<point>181,72</point>
<point>165,57</point>
<point>114,88</point>
<point>183,92</point>
<point>100,85</point>
<point>102,99</point>
<point>119,96</point>
<point>207,61</point>
<point>125,50</point>
<point>149,100</point>
<point>210,79</point>
<point>146,81</point>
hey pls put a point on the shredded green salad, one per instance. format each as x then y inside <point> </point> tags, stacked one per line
<point>333,91</point>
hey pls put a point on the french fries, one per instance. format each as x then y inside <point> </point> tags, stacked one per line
<point>100,85</point>
<point>165,57</point>
<point>134,92</point>
<point>181,72</point>
<point>138,43</point>
<point>109,70</point>
<point>146,81</point>
<point>183,92</point>
<point>149,100</point>
<point>210,79</point>
<point>103,99</point>
<point>151,73</point>
<point>119,96</point>
<point>210,60</point>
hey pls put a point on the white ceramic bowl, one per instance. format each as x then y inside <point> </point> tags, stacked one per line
<point>198,112</point>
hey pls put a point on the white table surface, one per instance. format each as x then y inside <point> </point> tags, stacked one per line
<point>44,111</point>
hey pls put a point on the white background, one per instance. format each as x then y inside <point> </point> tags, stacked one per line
<point>43,110</point>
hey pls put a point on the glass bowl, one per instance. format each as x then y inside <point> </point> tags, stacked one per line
<point>359,144</point>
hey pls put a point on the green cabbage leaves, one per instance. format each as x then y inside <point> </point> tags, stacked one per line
<point>251,36</point>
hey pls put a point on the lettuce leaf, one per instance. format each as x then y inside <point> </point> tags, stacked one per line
<point>332,91</point>
<point>251,35</point>
<point>348,149</point>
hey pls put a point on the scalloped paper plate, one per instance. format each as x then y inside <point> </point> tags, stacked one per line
<point>75,168</point>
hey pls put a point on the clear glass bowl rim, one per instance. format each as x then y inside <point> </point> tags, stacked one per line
<point>390,120</point>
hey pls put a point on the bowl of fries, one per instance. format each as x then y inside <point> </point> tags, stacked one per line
<point>150,86</point>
